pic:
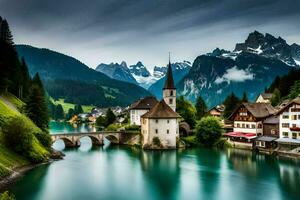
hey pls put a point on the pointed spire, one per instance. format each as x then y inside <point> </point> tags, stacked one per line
<point>169,84</point>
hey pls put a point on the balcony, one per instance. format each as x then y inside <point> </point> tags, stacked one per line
<point>295,128</point>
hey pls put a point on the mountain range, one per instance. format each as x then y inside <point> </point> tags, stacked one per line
<point>66,77</point>
<point>250,68</point>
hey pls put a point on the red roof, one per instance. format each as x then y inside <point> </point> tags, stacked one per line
<point>241,134</point>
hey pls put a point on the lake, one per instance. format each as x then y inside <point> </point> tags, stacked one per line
<point>65,127</point>
<point>120,172</point>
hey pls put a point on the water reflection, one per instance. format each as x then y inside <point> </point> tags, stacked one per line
<point>65,127</point>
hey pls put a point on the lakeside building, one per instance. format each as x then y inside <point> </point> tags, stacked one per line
<point>264,98</point>
<point>248,123</point>
<point>161,121</point>
<point>289,125</point>
<point>139,108</point>
<point>217,111</point>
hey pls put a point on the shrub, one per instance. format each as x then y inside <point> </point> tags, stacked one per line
<point>113,127</point>
<point>208,130</point>
<point>44,138</point>
<point>156,141</point>
<point>17,136</point>
<point>7,196</point>
<point>132,128</point>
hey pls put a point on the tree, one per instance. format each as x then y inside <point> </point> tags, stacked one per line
<point>245,98</point>
<point>7,196</point>
<point>5,33</point>
<point>37,81</point>
<point>36,107</point>
<point>110,117</point>
<point>208,130</point>
<point>231,103</point>
<point>59,112</point>
<point>78,109</point>
<point>26,80</point>
<point>70,114</point>
<point>101,121</point>
<point>200,107</point>
<point>275,99</point>
<point>186,110</point>
<point>295,90</point>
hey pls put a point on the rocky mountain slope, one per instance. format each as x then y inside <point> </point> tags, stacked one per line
<point>250,67</point>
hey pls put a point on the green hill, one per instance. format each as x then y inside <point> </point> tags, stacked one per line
<point>9,109</point>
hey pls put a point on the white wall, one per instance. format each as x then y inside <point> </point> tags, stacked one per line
<point>162,125</point>
<point>291,122</point>
<point>255,130</point>
<point>135,116</point>
<point>167,96</point>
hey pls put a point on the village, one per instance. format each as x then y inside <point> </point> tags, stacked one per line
<point>256,126</point>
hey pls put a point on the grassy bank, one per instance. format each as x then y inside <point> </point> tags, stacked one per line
<point>67,106</point>
<point>9,160</point>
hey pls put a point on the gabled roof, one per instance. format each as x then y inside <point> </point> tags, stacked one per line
<point>144,104</point>
<point>258,110</point>
<point>266,95</point>
<point>296,101</point>
<point>161,110</point>
<point>169,84</point>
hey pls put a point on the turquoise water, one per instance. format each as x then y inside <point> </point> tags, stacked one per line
<point>120,172</point>
<point>65,127</point>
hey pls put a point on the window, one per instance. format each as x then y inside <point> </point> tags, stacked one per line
<point>170,101</point>
<point>156,121</point>
<point>294,135</point>
<point>156,131</point>
<point>294,117</point>
<point>285,125</point>
<point>238,125</point>
<point>298,116</point>
<point>285,117</point>
<point>168,121</point>
<point>171,93</point>
<point>253,126</point>
<point>247,125</point>
<point>243,125</point>
<point>273,131</point>
<point>167,131</point>
<point>259,126</point>
<point>144,121</point>
<point>285,134</point>
<point>243,114</point>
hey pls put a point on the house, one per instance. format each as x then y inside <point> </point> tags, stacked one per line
<point>248,123</point>
<point>289,125</point>
<point>140,107</point>
<point>264,98</point>
<point>270,133</point>
<point>217,111</point>
<point>161,123</point>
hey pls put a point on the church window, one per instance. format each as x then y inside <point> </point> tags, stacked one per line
<point>167,131</point>
<point>156,131</point>
<point>171,101</point>
<point>168,121</point>
<point>156,121</point>
<point>171,93</point>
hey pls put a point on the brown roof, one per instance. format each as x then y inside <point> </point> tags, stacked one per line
<point>169,84</point>
<point>296,101</point>
<point>145,103</point>
<point>266,95</point>
<point>271,120</point>
<point>258,110</point>
<point>161,110</point>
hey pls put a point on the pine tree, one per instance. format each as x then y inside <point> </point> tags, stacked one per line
<point>78,109</point>
<point>230,103</point>
<point>25,81</point>
<point>5,33</point>
<point>245,98</point>
<point>110,117</point>
<point>200,107</point>
<point>36,107</point>
<point>275,99</point>
<point>37,81</point>
<point>59,112</point>
<point>295,90</point>
<point>70,114</point>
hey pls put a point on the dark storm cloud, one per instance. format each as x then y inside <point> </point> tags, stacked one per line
<point>123,22</point>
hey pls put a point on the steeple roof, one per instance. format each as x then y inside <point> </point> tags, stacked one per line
<point>161,111</point>
<point>169,84</point>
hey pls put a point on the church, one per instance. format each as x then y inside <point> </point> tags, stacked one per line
<point>160,125</point>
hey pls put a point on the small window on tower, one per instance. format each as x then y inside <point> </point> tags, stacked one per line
<point>156,131</point>
<point>167,131</point>
<point>171,93</point>
<point>170,101</point>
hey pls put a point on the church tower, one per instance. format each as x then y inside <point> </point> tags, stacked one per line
<point>169,90</point>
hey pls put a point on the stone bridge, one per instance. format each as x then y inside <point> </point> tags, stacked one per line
<point>73,139</point>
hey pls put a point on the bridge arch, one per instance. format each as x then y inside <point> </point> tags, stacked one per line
<point>184,129</point>
<point>68,142</point>
<point>112,138</point>
<point>96,140</point>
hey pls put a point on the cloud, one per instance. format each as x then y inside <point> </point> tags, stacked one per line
<point>235,75</point>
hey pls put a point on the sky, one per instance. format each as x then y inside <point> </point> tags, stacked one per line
<point>105,31</point>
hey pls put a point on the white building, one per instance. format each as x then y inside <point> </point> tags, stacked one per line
<point>139,108</point>
<point>162,122</point>
<point>289,124</point>
<point>264,98</point>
